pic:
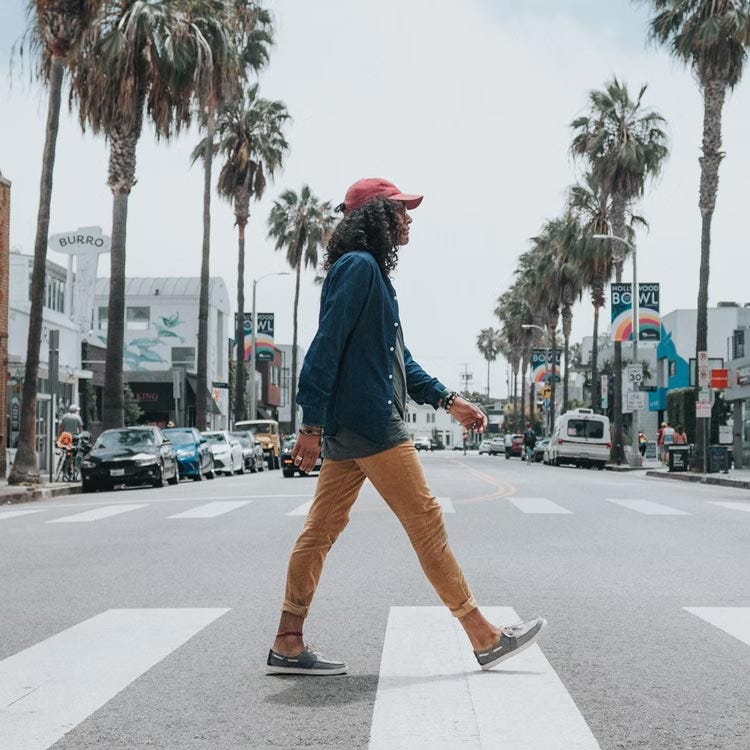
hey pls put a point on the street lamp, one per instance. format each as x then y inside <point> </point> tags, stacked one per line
<point>634,458</point>
<point>253,400</point>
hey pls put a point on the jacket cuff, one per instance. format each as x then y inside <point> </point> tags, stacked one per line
<point>313,416</point>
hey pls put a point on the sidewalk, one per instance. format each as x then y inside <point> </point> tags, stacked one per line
<point>646,463</point>
<point>12,494</point>
<point>739,478</point>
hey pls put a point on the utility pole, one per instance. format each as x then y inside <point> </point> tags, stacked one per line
<point>466,377</point>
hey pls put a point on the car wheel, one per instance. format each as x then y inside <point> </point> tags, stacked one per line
<point>175,478</point>
<point>88,486</point>
<point>199,477</point>
<point>276,462</point>
<point>287,473</point>
<point>159,480</point>
<point>241,470</point>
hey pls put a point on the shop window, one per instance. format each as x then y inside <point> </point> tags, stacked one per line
<point>137,318</point>
<point>183,356</point>
<point>103,317</point>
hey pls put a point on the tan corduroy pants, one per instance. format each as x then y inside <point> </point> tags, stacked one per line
<point>397,475</point>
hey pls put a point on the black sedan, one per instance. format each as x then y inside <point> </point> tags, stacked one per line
<point>287,464</point>
<point>130,456</point>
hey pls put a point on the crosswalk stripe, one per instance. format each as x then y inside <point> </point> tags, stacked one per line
<point>732,506</point>
<point>8,514</point>
<point>96,514</point>
<point>732,620</point>
<point>446,504</point>
<point>211,510</point>
<point>537,505</point>
<point>48,689</point>
<point>301,510</point>
<point>435,696</point>
<point>648,508</point>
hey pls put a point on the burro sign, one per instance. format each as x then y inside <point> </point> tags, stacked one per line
<point>84,244</point>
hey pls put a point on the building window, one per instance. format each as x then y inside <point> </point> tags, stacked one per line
<point>137,318</point>
<point>55,293</point>
<point>183,356</point>
<point>286,386</point>
<point>103,317</point>
<point>274,376</point>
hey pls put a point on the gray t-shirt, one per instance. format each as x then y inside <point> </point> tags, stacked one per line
<point>71,422</point>
<point>347,444</point>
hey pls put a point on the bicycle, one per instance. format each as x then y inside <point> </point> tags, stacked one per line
<point>66,470</point>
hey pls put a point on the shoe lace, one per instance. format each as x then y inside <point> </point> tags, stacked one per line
<point>512,630</point>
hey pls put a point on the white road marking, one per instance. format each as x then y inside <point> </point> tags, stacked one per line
<point>301,510</point>
<point>98,513</point>
<point>211,510</point>
<point>50,688</point>
<point>648,508</point>
<point>7,514</point>
<point>432,694</point>
<point>447,504</point>
<point>732,506</point>
<point>732,620</point>
<point>537,505</point>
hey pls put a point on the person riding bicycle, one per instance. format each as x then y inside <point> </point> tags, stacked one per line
<point>529,441</point>
<point>65,465</point>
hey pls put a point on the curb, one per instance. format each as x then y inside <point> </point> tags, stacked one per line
<point>37,493</point>
<point>701,479</point>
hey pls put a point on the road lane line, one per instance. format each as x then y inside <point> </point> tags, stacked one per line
<point>648,508</point>
<point>301,510</point>
<point>539,505</point>
<point>432,694</point>
<point>732,620</point>
<point>8,514</point>
<point>98,513</point>
<point>211,510</point>
<point>51,687</point>
<point>732,506</point>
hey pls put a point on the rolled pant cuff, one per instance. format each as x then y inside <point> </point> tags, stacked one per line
<point>294,609</point>
<point>468,606</point>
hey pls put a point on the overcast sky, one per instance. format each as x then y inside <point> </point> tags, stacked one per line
<point>469,103</point>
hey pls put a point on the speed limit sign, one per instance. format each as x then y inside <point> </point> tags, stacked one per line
<point>635,374</point>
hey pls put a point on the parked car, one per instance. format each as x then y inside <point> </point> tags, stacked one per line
<point>485,447</point>
<point>288,469</point>
<point>423,443</point>
<point>252,451</point>
<point>266,432</point>
<point>227,452</point>
<point>581,438</point>
<point>538,452</point>
<point>513,445</point>
<point>497,446</point>
<point>194,457</point>
<point>130,456</point>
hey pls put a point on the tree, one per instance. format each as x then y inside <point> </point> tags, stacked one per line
<point>300,224</point>
<point>244,48</point>
<point>139,57</point>
<point>624,144</point>
<point>250,134</point>
<point>488,343</point>
<point>711,36</point>
<point>55,31</point>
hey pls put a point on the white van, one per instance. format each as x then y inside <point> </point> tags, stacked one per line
<point>581,438</point>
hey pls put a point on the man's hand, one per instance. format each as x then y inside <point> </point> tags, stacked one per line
<point>470,416</point>
<point>305,452</point>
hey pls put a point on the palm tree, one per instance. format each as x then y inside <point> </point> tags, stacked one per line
<point>139,57</point>
<point>251,139</point>
<point>511,312</point>
<point>300,224</point>
<point>624,144</point>
<point>711,36</point>
<point>54,32</point>
<point>488,343</point>
<point>243,48</point>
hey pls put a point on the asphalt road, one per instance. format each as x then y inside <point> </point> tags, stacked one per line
<point>145,622</point>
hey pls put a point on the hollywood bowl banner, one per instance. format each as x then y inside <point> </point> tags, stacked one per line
<point>621,297</point>
<point>539,360</point>
<point>649,318</point>
<point>264,338</point>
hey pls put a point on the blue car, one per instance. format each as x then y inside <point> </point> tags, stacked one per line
<point>194,458</point>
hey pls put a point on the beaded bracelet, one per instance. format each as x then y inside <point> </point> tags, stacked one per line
<point>311,431</point>
<point>448,401</point>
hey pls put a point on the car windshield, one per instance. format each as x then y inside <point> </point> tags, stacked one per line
<point>585,428</point>
<point>113,439</point>
<point>243,437</point>
<point>215,437</point>
<point>180,436</point>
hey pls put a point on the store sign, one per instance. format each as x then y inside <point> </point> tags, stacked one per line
<point>743,376</point>
<point>720,378</point>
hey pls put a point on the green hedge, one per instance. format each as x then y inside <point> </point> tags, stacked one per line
<point>681,410</point>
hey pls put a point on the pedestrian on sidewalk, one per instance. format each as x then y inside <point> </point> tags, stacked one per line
<point>352,390</point>
<point>680,437</point>
<point>667,439</point>
<point>642,443</point>
<point>71,421</point>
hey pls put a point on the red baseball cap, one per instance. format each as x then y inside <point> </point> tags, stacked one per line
<point>368,188</point>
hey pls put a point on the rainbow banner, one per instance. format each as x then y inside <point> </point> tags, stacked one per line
<point>621,296</point>
<point>264,340</point>
<point>649,318</point>
<point>539,367</point>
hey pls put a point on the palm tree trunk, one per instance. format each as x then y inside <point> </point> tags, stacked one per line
<point>524,366</point>
<point>714,94</point>
<point>25,467</point>
<point>293,404</point>
<point>201,379</point>
<point>488,380</point>
<point>553,384</point>
<point>596,404</point>
<point>618,227</point>
<point>567,320</point>
<point>239,378</point>
<point>515,389</point>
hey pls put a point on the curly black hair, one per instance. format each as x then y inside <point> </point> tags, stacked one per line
<point>372,227</point>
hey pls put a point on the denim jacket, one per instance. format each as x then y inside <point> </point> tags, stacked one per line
<point>346,378</point>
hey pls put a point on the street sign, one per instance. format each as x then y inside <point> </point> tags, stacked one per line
<point>704,374</point>
<point>702,409</point>
<point>635,401</point>
<point>720,378</point>
<point>635,374</point>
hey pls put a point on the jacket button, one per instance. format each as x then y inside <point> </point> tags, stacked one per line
<point>391,348</point>
<point>396,324</point>
<point>390,377</point>
<point>389,402</point>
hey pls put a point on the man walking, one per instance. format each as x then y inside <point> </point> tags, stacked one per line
<point>71,421</point>
<point>529,442</point>
<point>352,390</point>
